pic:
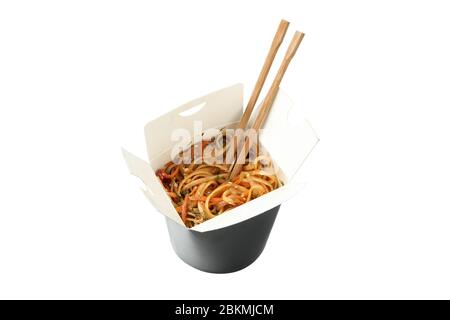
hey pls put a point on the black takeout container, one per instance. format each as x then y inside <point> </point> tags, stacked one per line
<point>234,239</point>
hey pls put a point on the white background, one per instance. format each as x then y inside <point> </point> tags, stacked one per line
<point>79,79</point>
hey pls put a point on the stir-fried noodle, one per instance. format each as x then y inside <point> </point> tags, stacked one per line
<point>200,190</point>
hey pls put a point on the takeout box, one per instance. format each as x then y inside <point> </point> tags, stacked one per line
<point>233,240</point>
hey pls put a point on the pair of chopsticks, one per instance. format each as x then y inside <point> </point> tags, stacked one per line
<point>271,94</point>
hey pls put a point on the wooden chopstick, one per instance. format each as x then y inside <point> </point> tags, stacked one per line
<point>276,43</point>
<point>268,101</point>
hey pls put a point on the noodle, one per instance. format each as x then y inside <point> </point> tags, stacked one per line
<point>200,191</point>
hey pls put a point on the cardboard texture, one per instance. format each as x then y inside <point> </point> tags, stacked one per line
<point>288,144</point>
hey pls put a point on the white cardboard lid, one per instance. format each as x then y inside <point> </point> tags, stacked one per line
<point>288,141</point>
<point>215,110</point>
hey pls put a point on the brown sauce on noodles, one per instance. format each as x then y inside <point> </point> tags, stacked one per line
<point>200,191</point>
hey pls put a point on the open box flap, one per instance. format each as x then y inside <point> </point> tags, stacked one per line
<point>215,109</point>
<point>288,142</point>
<point>154,190</point>
<point>250,209</point>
